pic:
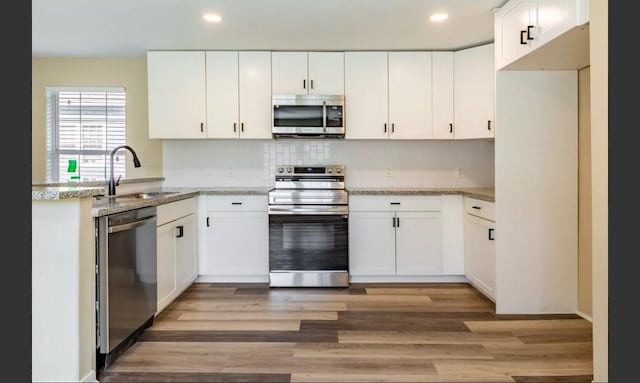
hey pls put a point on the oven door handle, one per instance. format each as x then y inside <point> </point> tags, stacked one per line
<point>288,210</point>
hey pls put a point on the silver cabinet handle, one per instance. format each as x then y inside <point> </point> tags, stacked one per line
<point>311,84</point>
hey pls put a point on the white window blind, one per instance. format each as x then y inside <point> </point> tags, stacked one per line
<point>85,124</point>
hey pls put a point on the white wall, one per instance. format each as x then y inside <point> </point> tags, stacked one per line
<point>536,192</point>
<point>252,162</point>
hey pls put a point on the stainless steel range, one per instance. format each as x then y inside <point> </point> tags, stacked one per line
<point>308,227</point>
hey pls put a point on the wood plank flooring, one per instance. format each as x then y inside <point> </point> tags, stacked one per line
<point>365,333</point>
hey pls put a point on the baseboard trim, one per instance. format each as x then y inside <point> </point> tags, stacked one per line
<point>584,316</point>
<point>407,278</point>
<point>90,377</point>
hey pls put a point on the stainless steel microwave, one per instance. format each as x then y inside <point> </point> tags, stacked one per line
<point>308,116</point>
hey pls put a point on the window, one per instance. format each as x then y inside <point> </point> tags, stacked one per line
<point>84,124</point>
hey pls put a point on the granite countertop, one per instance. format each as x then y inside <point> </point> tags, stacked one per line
<point>64,192</point>
<point>97,183</point>
<point>106,206</point>
<point>486,194</point>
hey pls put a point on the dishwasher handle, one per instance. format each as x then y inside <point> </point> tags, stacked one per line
<point>131,225</point>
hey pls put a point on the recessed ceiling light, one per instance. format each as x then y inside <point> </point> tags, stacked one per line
<point>439,17</point>
<point>212,17</point>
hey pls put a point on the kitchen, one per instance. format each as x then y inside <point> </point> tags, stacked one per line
<point>216,164</point>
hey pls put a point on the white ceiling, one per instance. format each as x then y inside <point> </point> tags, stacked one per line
<point>95,28</point>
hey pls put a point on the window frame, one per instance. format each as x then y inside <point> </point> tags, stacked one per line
<point>53,151</point>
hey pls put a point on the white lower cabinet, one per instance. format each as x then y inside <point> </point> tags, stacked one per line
<point>395,236</point>
<point>237,239</point>
<point>479,246</point>
<point>176,250</point>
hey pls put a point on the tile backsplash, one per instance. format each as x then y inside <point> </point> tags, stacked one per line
<point>370,163</point>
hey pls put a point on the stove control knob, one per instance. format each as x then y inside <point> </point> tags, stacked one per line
<point>329,171</point>
<point>280,170</point>
<point>289,170</point>
<point>338,171</point>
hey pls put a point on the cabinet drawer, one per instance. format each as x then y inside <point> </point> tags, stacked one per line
<point>174,210</point>
<point>237,203</point>
<point>395,203</point>
<point>480,208</point>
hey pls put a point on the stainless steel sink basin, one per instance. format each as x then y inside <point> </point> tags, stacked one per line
<point>135,196</point>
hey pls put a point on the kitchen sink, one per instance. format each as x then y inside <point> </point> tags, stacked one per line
<point>135,196</point>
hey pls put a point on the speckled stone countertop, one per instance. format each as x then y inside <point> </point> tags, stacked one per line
<point>98,183</point>
<point>486,194</point>
<point>106,206</point>
<point>64,192</point>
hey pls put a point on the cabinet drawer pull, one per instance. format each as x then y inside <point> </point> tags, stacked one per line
<point>529,37</point>
<point>242,126</point>
<point>311,84</point>
<point>385,127</point>
<point>304,84</point>
<point>397,221</point>
<point>476,207</point>
<point>202,126</point>
<point>450,128</point>
<point>394,203</point>
<point>489,125</point>
<point>522,33</point>
<point>393,127</point>
<point>234,127</point>
<point>207,221</point>
<point>236,203</point>
<point>393,221</point>
<point>180,231</point>
<point>491,238</point>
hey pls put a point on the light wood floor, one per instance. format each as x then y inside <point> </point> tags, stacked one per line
<point>364,333</point>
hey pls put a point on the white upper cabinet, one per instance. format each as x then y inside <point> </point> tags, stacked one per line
<point>409,95</point>
<point>523,26</point>
<point>474,92</point>
<point>366,93</point>
<point>176,94</point>
<point>326,73</point>
<point>222,94</point>
<point>442,95</point>
<point>238,94</point>
<point>301,73</point>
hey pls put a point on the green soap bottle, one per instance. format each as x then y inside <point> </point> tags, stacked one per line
<point>72,169</point>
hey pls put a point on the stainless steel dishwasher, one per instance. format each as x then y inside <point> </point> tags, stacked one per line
<point>126,282</point>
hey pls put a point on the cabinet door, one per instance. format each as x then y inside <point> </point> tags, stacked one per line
<point>326,73</point>
<point>366,94</point>
<point>553,18</point>
<point>371,243</point>
<point>510,21</point>
<point>255,95</point>
<point>419,243</point>
<point>442,95</point>
<point>166,263</point>
<point>186,255</point>
<point>238,243</point>
<point>289,73</point>
<point>176,94</point>
<point>222,95</point>
<point>410,95</point>
<point>474,93</point>
<point>479,254</point>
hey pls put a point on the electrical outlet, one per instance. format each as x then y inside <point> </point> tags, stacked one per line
<point>389,173</point>
<point>459,173</point>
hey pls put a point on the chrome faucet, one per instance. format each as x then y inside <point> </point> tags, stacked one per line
<point>112,182</point>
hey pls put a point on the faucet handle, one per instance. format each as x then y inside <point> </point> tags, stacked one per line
<point>118,180</point>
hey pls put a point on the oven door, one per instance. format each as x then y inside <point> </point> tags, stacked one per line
<point>308,242</point>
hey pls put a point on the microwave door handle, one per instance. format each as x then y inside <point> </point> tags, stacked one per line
<point>324,116</point>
